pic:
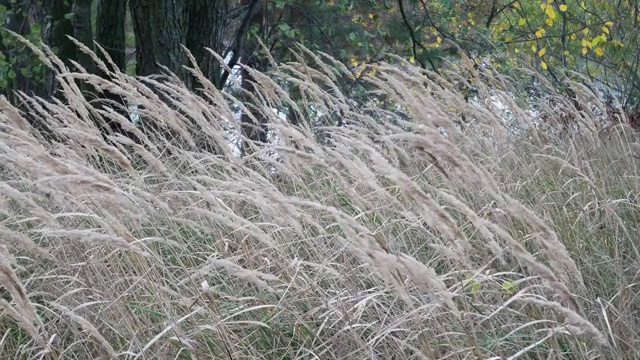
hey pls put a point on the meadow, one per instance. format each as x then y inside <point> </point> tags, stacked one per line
<point>398,235</point>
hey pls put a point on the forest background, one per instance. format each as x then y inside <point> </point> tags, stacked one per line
<point>271,179</point>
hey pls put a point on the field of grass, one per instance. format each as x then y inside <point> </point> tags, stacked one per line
<point>387,240</point>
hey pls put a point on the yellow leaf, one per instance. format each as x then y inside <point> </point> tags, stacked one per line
<point>602,38</point>
<point>517,51</point>
<point>534,48</point>
<point>549,22</point>
<point>573,36</point>
<point>605,30</point>
<point>371,16</point>
<point>516,5</point>
<point>584,51</point>
<point>585,31</point>
<point>522,21</point>
<point>543,6</point>
<point>540,33</point>
<point>474,285</point>
<point>566,52</point>
<point>550,12</point>
<point>599,51</point>
<point>412,60</point>
<point>563,7</point>
<point>542,52</point>
<point>508,39</point>
<point>608,24</point>
<point>509,287</point>
<point>543,65</point>
<point>439,40</point>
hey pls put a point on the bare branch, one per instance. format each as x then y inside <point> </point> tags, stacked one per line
<point>239,38</point>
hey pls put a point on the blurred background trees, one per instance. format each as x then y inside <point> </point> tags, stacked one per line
<point>595,40</point>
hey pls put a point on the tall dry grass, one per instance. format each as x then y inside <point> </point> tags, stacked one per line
<point>391,241</point>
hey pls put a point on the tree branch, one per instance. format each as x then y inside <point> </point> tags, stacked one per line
<point>238,40</point>
<point>414,40</point>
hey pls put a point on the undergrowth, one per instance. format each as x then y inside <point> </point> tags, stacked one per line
<point>401,235</point>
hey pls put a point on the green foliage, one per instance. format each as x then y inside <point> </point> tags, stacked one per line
<point>15,58</point>
<point>594,38</point>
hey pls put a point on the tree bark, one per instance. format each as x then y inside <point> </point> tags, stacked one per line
<point>110,35</point>
<point>254,130</point>
<point>83,32</point>
<point>55,36</point>
<point>110,32</point>
<point>145,54</point>
<point>206,30</point>
<point>168,23</point>
<point>162,27</point>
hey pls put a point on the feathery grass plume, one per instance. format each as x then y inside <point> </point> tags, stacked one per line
<point>419,273</point>
<point>24,312</point>
<point>26,324</point>
<point>98,144</point>
<point>257,278</point>
<point>12,114</point>
<point>559,258</point>
<point>92,237</point>
<point>11,238</point>
<point>481,224</point>
<point>86,326</point>
<point>22,200</point>
<point>571,318</point>
<point>561,261</point>
<point>433,213</point>
<point>370,230</point>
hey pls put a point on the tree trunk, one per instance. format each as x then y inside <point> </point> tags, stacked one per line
<point>162,27</point>
<point>168,20</point>
<point>254,130</point>
<point>55,36</point>
<point>145,54</point>
<point>110,32</point>
<point>206,30</point>
<point>82,31</point>
<point>110,35</point>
